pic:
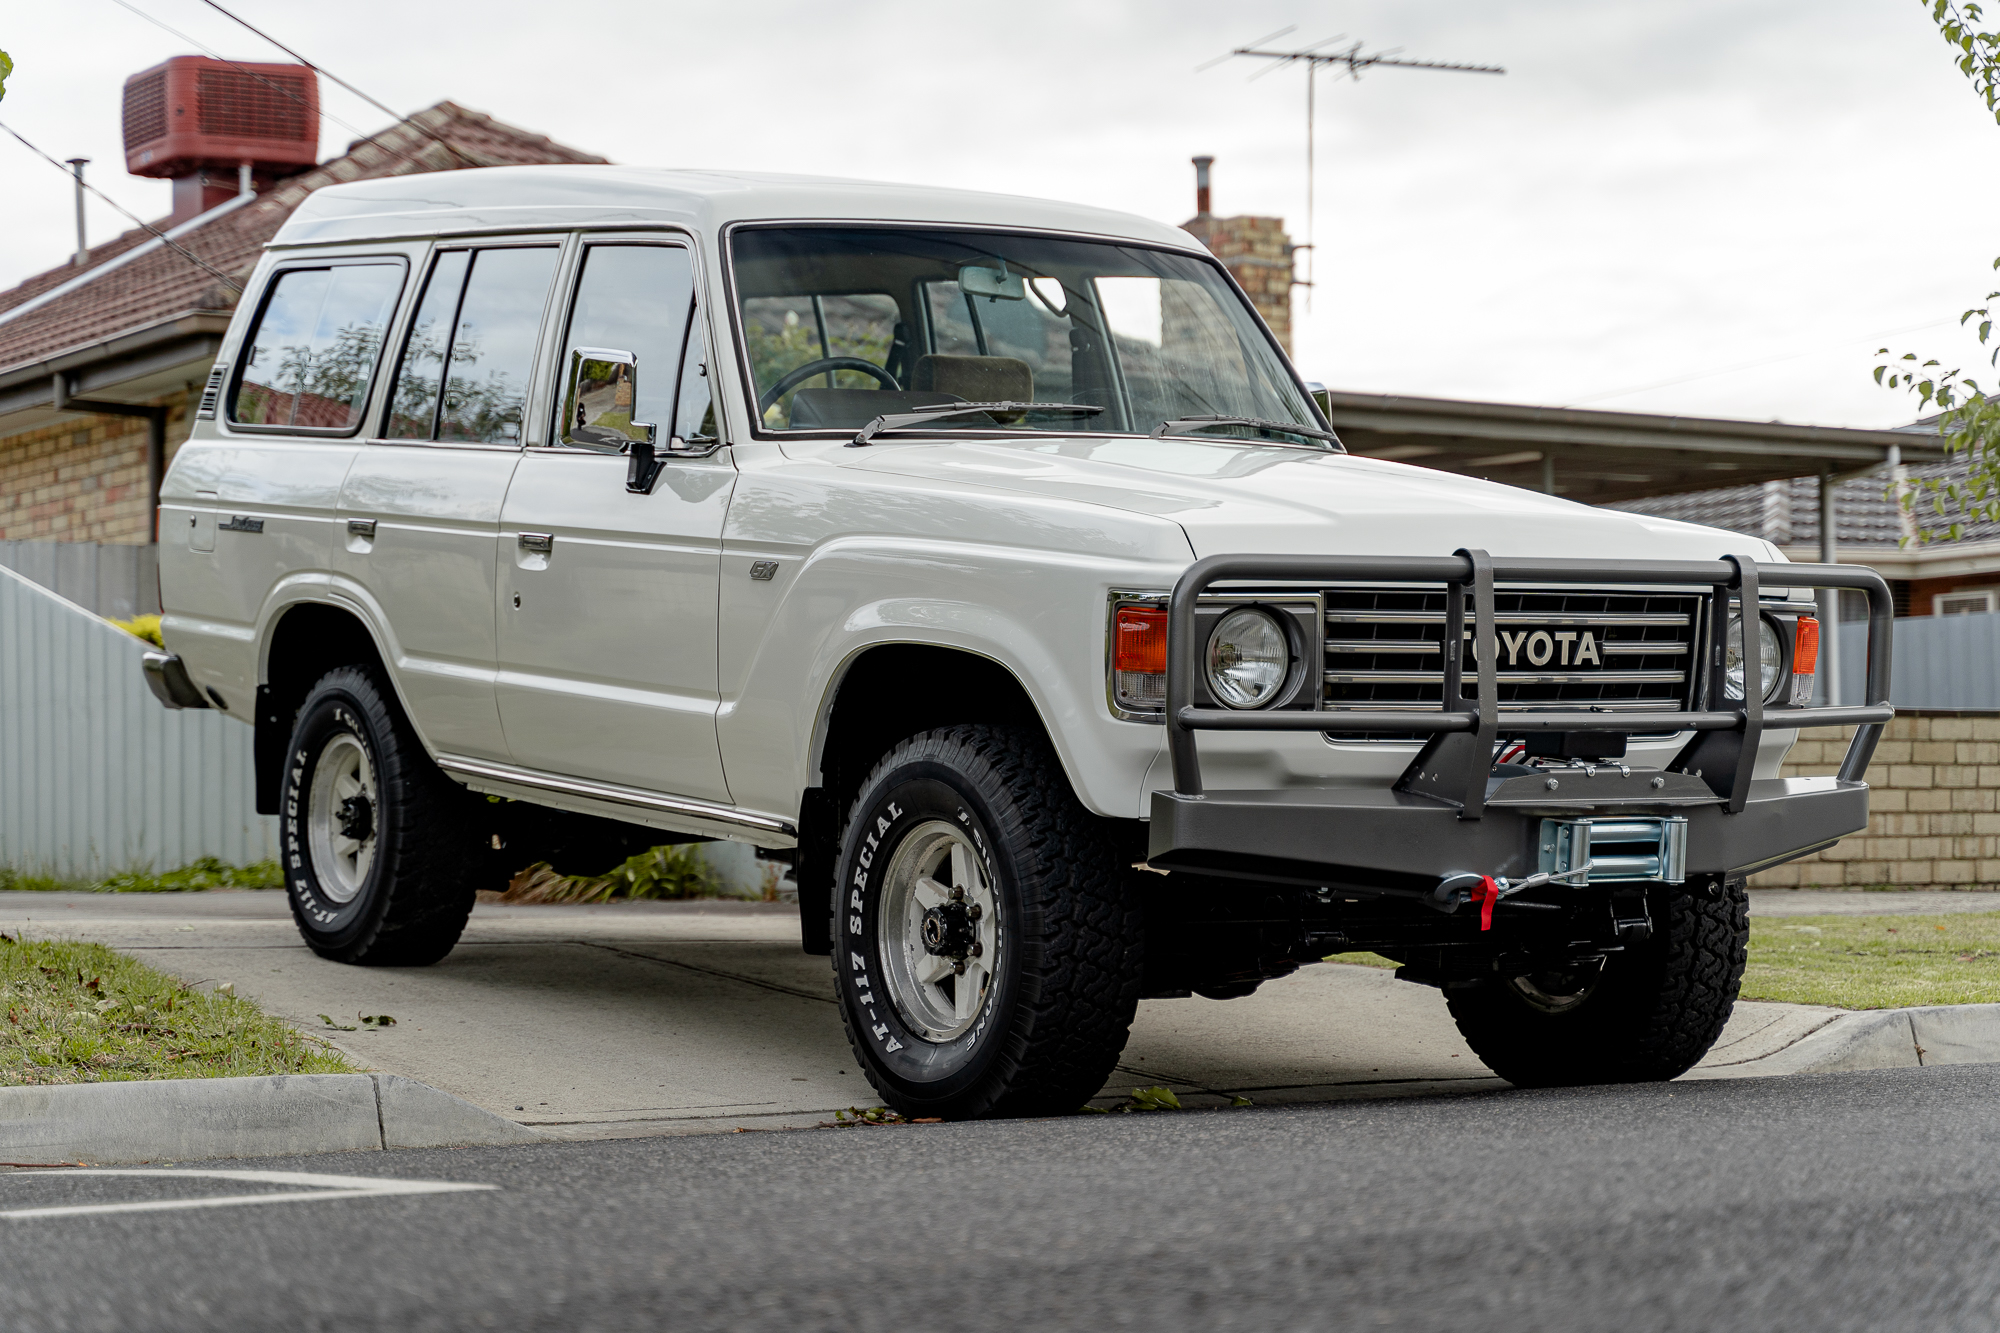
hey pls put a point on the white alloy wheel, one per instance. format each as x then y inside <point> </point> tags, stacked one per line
<point>940,927</point>
<point>342,817</point>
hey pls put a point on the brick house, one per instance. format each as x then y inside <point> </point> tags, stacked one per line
<point>136,325</point>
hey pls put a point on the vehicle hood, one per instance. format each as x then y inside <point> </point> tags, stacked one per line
<point>1245,499</point>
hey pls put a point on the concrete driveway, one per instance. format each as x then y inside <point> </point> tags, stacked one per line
<point>645,1018</point>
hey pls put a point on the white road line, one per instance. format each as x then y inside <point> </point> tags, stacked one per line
<point>320,1187</point>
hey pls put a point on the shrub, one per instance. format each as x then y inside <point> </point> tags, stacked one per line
<point>657,872</point>
<point>143,627</point>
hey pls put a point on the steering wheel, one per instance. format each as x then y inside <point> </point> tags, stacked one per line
<point>824,366</point>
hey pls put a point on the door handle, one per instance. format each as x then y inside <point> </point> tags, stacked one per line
<point>541,543</point>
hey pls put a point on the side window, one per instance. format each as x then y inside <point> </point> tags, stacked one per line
<point>413,406</point>
<point>315,346</point>
<point>470,354</point>
<point>636,299</point>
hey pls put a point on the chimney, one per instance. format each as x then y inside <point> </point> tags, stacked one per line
<point>1201,166</point>
<point>217,129</point>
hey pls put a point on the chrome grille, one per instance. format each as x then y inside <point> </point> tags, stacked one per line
<point>1384,650</point>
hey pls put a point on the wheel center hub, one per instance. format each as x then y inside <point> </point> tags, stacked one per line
<point>356,817</point>
<point>947,930</point>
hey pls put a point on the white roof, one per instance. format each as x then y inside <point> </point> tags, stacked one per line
<point>495,198</point>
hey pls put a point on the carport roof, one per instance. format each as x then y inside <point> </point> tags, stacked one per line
<point>1604,457</point>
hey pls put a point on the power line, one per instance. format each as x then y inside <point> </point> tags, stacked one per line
<point>385,110</point>
<point>1355,60</point>
<point>278,88</point>
<point>161,236</point>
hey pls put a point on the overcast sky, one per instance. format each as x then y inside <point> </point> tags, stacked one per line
<point>1713,207</point>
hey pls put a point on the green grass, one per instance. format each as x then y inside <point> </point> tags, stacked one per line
<point>1860,962</point>
<point>1875,962</point>
<point>205,873</point>
<point>81,1013</point>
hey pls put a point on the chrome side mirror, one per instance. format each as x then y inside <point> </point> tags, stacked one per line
<point>597,412</point>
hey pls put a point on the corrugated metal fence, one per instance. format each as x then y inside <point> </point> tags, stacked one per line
<point>97,777</point>
<point>115,581</point>
<point>1936,662</point>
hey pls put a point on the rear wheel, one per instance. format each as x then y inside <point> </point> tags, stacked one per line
<point>1646,1014</point>
<point>987,940</point>
<point>378,843</point>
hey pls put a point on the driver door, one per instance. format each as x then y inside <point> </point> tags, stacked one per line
<point>607,594</point>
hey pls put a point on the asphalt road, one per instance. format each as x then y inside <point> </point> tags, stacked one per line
<point>1825,1202</point>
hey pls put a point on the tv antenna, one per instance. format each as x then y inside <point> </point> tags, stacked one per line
<point>1352,60</point>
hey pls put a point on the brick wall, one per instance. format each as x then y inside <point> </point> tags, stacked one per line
<point>82,479</point>
<point>1933,817</point>
<point>1259,253</point>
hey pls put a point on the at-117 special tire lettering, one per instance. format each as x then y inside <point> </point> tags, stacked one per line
<point>976,815</point>
<point>378,856</point>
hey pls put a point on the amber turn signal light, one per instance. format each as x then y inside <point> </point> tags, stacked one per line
<point>1141,643</point>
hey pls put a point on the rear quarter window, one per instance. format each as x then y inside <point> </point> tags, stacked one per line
<point>314,349</point>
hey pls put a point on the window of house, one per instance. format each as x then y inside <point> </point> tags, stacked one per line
<point>315,346</point>
<point>1964,603</point>
<point>470,354</point>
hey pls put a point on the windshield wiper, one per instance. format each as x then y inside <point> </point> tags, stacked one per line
<point>1255,423</point>
<point>898,420</point>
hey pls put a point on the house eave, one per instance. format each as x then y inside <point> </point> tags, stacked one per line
<point>128,366</point>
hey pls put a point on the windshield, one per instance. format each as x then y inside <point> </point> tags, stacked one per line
<point>846,324</point>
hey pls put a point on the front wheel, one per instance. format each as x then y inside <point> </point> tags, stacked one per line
<point>1642,1015</point>
<point>986,933</point>
<point>377,843</point>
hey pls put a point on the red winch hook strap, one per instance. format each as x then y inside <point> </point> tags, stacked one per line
<point>1489,894</point>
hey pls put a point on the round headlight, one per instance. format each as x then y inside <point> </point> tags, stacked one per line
<point>1248,658</point>
<point>1770,658</point>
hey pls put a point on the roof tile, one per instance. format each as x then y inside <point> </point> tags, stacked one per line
<point>161,284</point>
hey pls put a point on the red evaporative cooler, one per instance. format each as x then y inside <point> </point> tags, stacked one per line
<point>201,122</point>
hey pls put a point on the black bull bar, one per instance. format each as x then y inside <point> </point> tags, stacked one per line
<point>1449,812</point>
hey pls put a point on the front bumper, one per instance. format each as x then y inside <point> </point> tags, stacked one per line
<point>1378,839</point>
<point>1453,811</point>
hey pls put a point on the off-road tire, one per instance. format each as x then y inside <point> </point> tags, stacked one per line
<point>1655,1010</point>
<point>412,905</point>
<point>1059,1006</point>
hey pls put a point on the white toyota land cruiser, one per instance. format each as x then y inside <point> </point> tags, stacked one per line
<point>920,535</point>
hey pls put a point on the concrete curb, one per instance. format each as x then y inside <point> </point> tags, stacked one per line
<point>1942,1034</point>
<point>184,1120</point>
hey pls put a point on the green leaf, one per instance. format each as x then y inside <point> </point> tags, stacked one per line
<point>6,68</point>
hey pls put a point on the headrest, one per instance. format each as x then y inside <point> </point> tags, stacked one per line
<point>976,379</point>
<point>847,409</point>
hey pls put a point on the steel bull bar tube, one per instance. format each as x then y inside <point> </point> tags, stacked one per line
<point>1451,777</point>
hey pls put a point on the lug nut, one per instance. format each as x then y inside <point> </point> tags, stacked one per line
<point>977,949</point>
<point>975,911</point>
